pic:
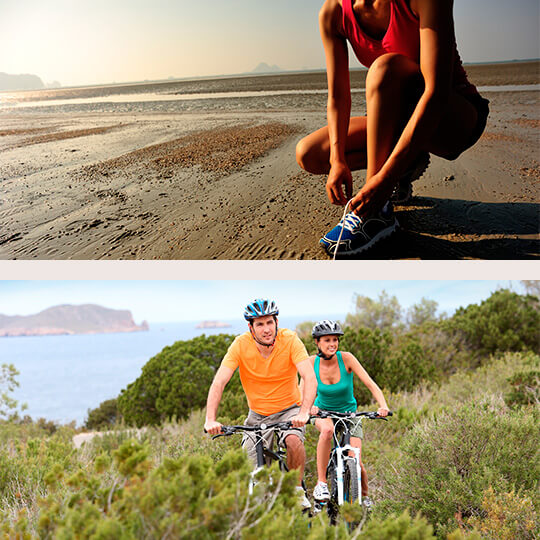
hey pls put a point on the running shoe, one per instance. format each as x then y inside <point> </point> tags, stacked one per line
<point>356,235</point>
<point>321,493</point>
<point>304,501</point>
<point>403,190</point>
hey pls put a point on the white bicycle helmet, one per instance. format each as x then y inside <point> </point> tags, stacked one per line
<point>326,328</point>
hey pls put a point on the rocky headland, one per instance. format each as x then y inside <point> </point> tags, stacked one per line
<point>69,319</point>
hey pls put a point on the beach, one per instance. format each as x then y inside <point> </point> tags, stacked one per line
<point>206,170</point>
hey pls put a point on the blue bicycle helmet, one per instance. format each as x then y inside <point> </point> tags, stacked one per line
<point>260,308</point>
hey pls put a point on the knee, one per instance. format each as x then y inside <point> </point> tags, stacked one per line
<point>304,152</point>
<point>326,434</point>
<point>388,71</point>
<point>308,156</point>
<point>294,444</point>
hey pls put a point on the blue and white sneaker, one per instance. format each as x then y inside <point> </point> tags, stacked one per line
<point>403,190</point>
<point>358,235</point>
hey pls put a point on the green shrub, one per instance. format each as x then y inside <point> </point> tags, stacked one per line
<point>447,463</point>
<point>175,381</point>
<point>507,516</point>
<point>525,389</point>
<point>396,363</point>
<point>103,416</point>
<point>506,321</point>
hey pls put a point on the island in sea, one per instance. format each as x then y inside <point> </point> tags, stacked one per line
<point>70,319</point>
<point>213,324</point>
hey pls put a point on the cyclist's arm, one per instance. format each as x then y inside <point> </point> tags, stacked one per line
<point>309,390</point>
<point>352,364</point>
<point>314,410</point>
<point>222,377</point>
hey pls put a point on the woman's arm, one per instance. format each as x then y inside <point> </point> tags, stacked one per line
<point>436,64</point>
<point>352,364</point>
<point>339,100</point>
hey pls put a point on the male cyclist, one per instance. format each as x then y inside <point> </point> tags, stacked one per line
<point>269,361</point>
<point>335,371</point>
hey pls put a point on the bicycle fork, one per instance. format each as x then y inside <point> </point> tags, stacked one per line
<point>342,455</point>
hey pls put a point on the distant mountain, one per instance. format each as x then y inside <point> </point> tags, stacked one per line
<point>67,319</point>
<point>20,82</point>
<point>263,67</point>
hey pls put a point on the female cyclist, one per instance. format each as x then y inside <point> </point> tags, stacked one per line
<point>335,371</point>
<point>418,101</point>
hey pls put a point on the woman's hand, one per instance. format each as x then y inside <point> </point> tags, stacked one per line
<point>314,410</point>
<point>370,200</point>
<point>339,175</point>
<point>383,411</point>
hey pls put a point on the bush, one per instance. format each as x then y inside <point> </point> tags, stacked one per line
<point>506,321</point>
<point>394,363</point>
<point>175,381</point>
<point>507,516</point>
<point>104,416</point>
<point>525,389</point>
<point>449,462</point>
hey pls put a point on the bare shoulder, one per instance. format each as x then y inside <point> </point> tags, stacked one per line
<point>312,359</point>
<point>349,359</point>
<point>421,7</point>
<point>330,16</point>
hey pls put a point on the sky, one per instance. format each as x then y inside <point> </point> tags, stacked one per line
<point>192,300</point>
<point>93,42</point>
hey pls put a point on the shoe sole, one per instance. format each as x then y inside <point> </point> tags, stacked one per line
<point>385,233</point>
<point>415,175</point>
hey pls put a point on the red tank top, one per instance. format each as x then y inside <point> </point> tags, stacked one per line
<point>402,37</point>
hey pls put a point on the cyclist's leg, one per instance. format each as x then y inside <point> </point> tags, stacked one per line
<point>293,439</point>
<point>324,446</point>
<point>357,434</point>
<point>357,443</point>
<point>248,440</point>
<point>296,454</point>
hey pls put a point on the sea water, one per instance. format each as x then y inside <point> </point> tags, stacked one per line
<point>62,377</point>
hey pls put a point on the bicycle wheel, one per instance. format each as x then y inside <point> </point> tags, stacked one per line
<point>350,482</point>
<point>332,506</point>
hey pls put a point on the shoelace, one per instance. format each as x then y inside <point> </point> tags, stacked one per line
<point>347,222</point>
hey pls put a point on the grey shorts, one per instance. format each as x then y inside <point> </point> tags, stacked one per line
<point>355,426</point>
<point>254,419</point>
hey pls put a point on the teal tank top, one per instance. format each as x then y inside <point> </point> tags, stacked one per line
<point>337,397</point>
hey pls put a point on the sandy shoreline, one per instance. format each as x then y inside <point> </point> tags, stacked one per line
<point>226,186</point>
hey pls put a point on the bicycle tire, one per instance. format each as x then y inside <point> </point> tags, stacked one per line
<point>332,506</point>
<point>350,481</point>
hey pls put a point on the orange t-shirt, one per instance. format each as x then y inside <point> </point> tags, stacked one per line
<point>270,384</point>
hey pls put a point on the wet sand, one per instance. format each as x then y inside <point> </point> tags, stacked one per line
<point>225,185</point>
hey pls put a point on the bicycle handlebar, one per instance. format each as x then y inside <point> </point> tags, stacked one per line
<point>373,415</point>
<point>231,430</point>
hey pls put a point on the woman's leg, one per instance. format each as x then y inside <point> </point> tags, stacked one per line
<point>313,151</point>
<point>357,443</point>
<point>324,446</point>
<point>394,85</point>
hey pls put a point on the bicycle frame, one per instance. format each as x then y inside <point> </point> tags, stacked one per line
<point>340,456</point>
<point>261,452</point>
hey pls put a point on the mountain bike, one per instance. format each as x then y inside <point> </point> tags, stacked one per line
<point>343,472</point>
<point>265,456</point>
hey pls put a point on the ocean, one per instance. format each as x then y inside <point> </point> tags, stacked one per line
<point>273,92</point>
<point>61,377</point>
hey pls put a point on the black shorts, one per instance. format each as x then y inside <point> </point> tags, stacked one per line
<point>482,110</point>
